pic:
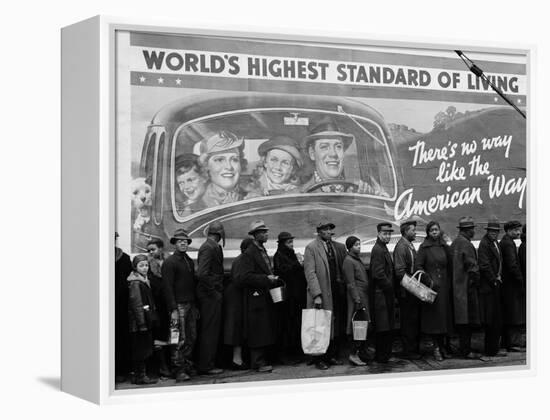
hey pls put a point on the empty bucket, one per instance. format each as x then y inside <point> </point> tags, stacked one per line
<point>359,328</point>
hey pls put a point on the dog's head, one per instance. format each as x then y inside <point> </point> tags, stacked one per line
<point>141,193</point>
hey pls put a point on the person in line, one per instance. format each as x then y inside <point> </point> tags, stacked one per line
<point>123,268</point>
<point>156,257</point>
<point>465,286</point>
<point>490,290</point>
<point>221,158</point>
<point>404,258</point>
<point>382,275</point>
<point>141,318</point>
<point>178,277</point>
<point>287,266</point>
<point>210,275</point>
<point>233,334</point>
<point>435,260</point>
<point>256,276</point>
<point>357,284</point>
<point>280,162</point>
<point>191,184</point>
<point>323,259</point>
<point>513,288</point>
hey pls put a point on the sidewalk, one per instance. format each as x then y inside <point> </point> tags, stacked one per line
<point>302,370</point>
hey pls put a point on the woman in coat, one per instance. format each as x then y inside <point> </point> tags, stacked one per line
<point>434,258</point>
<point>355,276</point>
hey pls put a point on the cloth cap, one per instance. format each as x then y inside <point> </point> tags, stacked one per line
<point>384,227</point>
<point>466,222</point>
<point>284,143</point>
<point>284,236</point>
<point>512,224</point>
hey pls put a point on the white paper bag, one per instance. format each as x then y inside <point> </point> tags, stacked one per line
<point>315,331</point>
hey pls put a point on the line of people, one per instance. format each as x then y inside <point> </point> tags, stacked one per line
<point>190,314</point>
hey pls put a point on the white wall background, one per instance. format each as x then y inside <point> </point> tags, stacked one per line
<point>29,303</point>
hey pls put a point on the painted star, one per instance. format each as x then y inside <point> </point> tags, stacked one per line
<point>519,101</point>
<point>160,80</point>
<point>178,81</point>
<point>142,79</point>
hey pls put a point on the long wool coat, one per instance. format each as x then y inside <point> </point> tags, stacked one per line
<point>465,282</point>
<point>317,273</point>
<point>489,258</point>
<point>513,285</point>
<point>382,275</point>
<point>233,307</point>
<point>357,284</point>
<point>259,317</point>
<point>434,258</point>
<point>210,269</point>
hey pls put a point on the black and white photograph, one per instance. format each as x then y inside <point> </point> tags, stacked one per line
<point>290,210</point>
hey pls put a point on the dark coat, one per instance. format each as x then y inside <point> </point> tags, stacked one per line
<point>490,260</point>
<point>210,269</point>
<point>142,317</point>
<point>233,307</point>
<point>434,258</point>
<point>465,281</point>
<point>160,331</point>
<point>404,259</point>
<point>513,284</point>
<point>357,284</point>
<point>123,268</point>
<point>382,276</point>
<point>259,322</point>
<point>522,255</point>
<point>317,271</point>
<point>178,277</point>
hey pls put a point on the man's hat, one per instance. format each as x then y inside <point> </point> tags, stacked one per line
<point>466,222</point>
<point>323,224</point>
<point>215,227</point>
<point>384,227</point>
<point>493,224</point>
<point>256,226</point>
<point>326,128</point>
<point>407,223</point>
<point>284,236</point>
<point>512,224</point>
<point>219,142</point>
<point>283,143</point>
<point>180,234</point>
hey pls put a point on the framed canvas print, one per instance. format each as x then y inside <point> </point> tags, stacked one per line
<point>288,209</point>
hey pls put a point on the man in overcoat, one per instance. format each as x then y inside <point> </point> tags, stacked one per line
<point>255,275</point>
<point>323,260</point>
<point>513,287</point>
<point>210,275</point>
<point>465,286</point>
<point>490,290</point>
<point>382,275</point>
<point>179,283</point>
<point>404,258</point>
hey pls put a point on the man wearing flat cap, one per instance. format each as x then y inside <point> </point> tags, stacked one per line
<point>210,274</point>
<point>325,146</point>
<point>220,157</point>
<point>255,276</point>
<point>490,290</point>
<point>404,258</point>
<point>280,161</point>
<point>179,283</point>
<point>382,275</point>
<point>323,259</point>
<point>465,286</point>
<point>513,287</point>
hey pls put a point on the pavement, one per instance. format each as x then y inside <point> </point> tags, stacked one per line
<point>303,370</point>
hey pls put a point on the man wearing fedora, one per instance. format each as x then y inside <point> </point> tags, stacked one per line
<point>255,275</point>
<point>465,286</point>
<point>210,274</point>
<point>513,287</point>
<point>404,258</point>
<point>289,312</point>
<point>178,277</point>
<point>382,275</point>
<point>490,289</point>
<point>323,259</point>
<point>325,146</point>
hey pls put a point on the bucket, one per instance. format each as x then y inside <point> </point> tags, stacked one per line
<point>359,328</point>
<point>277,293</point>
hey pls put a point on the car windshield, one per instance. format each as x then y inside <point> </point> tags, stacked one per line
<point>251,154</point>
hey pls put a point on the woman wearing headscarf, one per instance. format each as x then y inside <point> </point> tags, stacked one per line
<point>434,258</point>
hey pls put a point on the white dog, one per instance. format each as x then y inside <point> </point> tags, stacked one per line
<point>141,199</point>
